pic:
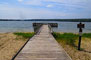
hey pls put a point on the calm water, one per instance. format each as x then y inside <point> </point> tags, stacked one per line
<point>26,26</point>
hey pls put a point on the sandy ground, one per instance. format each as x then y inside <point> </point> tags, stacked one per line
<point>85,54</point>
<point>9,45</point>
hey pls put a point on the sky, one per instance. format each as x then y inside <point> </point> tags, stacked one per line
<point>45,9</point>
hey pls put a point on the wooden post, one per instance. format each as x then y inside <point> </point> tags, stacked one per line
<point>80,26</point>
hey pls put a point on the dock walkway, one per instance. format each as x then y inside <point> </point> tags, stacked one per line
<point>42,46</point>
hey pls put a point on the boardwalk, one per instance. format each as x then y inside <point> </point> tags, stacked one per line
<point>42,46</point>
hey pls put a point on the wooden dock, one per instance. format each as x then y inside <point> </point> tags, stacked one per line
<point>42,46</point>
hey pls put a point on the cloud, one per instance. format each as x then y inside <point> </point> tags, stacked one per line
<point>49,6</point>
<point>56,9</point>
<point>20,0</point>
<point>66,3</point>
<point>12,12</point>
<point>33,2</point>
<point>69,1</point>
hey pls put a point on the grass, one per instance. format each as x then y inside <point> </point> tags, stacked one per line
<point>25,35</point>
<point>10,43</point>
<point>87,35</point>
<point>69,38</point>
<point>69,41</point>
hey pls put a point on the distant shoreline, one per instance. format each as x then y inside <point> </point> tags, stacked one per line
<point>61,20</point>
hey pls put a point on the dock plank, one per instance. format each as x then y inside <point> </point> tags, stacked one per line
<point>43,47</point>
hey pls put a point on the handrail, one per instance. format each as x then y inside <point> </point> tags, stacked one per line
<point>50,28</point>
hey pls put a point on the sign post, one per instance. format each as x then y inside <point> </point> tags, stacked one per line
<point>80,26</point>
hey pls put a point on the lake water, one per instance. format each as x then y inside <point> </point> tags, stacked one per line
<point>26,26</point>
